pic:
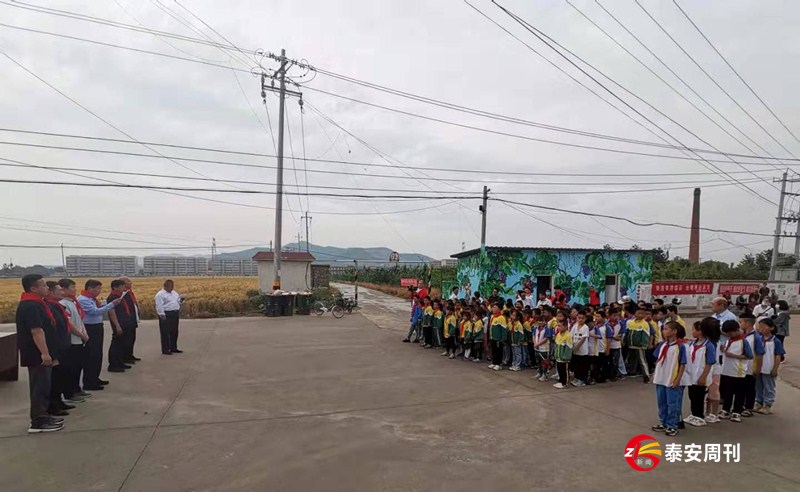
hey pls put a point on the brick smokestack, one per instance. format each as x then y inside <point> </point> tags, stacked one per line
<point>694,237</point>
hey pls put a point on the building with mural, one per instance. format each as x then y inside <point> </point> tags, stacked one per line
<point>612,272</point>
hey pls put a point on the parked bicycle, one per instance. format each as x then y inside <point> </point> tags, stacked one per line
<point>336,308</point>
<point>349,304</point>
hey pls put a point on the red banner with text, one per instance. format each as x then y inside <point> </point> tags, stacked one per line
<point>736,289</point>
<point>682,288</point>
<point>408,282</point>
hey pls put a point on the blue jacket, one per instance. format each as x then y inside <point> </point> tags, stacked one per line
<point>416,314</point>
<point>94,314</point>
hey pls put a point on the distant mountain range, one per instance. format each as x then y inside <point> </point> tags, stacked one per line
<point>334,254</point>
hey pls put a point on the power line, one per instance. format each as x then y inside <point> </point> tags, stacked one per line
<point>675,90</point>
<point>661,186</point>
<point>736,72</point>
<point>247,192</point>
<point>541,36</point>
<point>710,77</point>
<point>385,89</point>
<point>126,248</point>
<point>310,159</point>
<point>631,221</point>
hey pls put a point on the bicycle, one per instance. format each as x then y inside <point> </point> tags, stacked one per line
<point>336,308</point>
<point>349,304</point>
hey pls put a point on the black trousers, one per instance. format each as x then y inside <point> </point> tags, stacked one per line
<point>116,350</point>
<point>477,350</point>
<point>93,356</point>
<point>75,358</point>
<point>128,341</point>
<point>563,371</point>
<point>58,378</point>
<point>40,383</point>
<point>169,331</point>
<point>497,352</point>
<point>450,343</point>
<point>580,364</point>
<point>597,367</point>
<point>427,333</point>
<point>749,392</point>
<point>732,392</point>
<point>697,400</point>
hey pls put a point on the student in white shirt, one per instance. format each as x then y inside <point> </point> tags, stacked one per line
<point>702,358</point>
<point>669,368</point>
<point>768,370</point>
<point>736,357</point>
<point>168,307</point>
<point>580,352</point>
<point>764,310</point>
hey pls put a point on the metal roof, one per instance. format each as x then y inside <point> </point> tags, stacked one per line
<point>462,254</point>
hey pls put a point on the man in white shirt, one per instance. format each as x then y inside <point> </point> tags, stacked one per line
<point>78,337</point>
<point>454,294</point>
<point>526,298</point>
<point>168,307</point>
<point>543,301</point>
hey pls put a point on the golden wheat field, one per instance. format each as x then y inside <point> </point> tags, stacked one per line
<point>206,297</point>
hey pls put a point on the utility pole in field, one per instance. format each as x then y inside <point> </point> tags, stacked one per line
<point>280,75</point>
<point>213,255</point>
<point>63,259</point>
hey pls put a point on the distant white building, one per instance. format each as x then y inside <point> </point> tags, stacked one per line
<point>101,266</point>
<point>171,266</point>
<point>238,267</point>
<point>449,262</point>
<point>295,270</point>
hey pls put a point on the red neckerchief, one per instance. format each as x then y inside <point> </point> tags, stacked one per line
<point>28,296</point>
<point>695,347</point>
<point>78,306</point>
<point>731,340</point>
<point>88,294</point>
<point>132,296</point>
<point>123,303</point>
<point>51,302</point>
<point>664,350</point>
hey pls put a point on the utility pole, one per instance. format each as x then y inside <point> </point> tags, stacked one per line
<point>280,74</point>
<point>63,259</point>
<point>299,241</point>
<point>482,208</point>
<point>307,219</point>
<point>356,282</point>
<point>778,221</point>
<point>213,255</point>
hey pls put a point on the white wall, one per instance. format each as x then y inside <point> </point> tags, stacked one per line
<point>295,276</point>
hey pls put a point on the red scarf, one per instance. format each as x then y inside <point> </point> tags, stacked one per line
<point>28,296</point>
<point>88,294</point>
<point>665,349</point>
<point>132,296</point>
<point>696,347</point>
<point>78,306</point>
<point>53,301</point>
<point>731,340</point>
<point>124,304</point>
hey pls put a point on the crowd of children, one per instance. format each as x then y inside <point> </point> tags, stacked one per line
<point>729,368</point>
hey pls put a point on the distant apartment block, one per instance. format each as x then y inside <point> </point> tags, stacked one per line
<point>238,267</point>
<point>171,266</point>
<point>101,266</point>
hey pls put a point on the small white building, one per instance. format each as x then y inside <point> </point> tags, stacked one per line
<point>295,270</point>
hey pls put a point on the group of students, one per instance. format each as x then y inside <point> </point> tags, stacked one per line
<point>728,365</point>
<point>60,339</point>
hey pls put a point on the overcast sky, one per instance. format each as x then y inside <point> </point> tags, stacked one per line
<point>443,50</point>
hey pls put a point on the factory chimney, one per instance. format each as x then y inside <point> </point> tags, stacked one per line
<point>694,236</point>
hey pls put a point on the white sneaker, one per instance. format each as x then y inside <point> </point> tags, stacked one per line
<point>724,414</point>
<point>735,417</point>
<point>695,421</point>
<point>452,356</point>
<point>445,353</point>
<point>554,376</point>
<point>712,419</point>
<point>543,378</point>
<point>559,386</point>
<point>497,368</point>
<point>491,366</point>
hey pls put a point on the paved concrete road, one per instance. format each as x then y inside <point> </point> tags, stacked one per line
<point>314,403</point>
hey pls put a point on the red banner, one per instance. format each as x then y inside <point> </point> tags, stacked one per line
<point>408,282</point>
<point>736,289</point>
<point>682,288</point>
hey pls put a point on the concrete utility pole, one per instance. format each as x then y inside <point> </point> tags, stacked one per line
<point>307,218</point>
<point>482,208</point>
<point>778,220</point>
<point>279,74</point>
<point>63,259</point>
<point>356,282</point>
